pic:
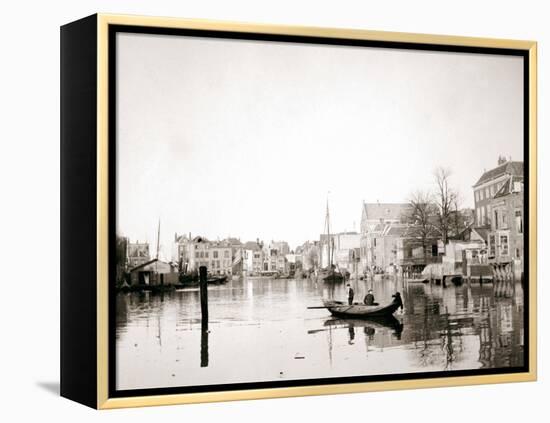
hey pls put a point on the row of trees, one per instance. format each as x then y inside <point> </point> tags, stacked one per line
<point>435,214</point>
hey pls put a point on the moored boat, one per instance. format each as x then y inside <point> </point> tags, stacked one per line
<point>191,280</point>
<point>360,311</point>
<point>330,276</point>
<point>331,273</point>
<point>217,280</point>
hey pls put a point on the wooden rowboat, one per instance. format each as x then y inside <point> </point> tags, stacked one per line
<point>362,311</point>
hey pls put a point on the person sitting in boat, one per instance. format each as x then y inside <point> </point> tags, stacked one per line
<point>350,294</point>
<point>369,298</point>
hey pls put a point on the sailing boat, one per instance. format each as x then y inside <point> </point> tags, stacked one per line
<point>330,273</point>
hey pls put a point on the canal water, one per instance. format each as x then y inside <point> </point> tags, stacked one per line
<point>261,330</point>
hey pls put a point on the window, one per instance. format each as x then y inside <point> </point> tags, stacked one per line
<point>434,250</point>
<point>496,218</point>
<point>215,254</point>
<point>492,190</point>
<point>519,222</point>
<point>504,219</point>
<point>518,253</point>
<point>492,246</point>
<point>504,245</point>
<point>375,242</point>
<point>206,254</point>
<point>483,215</point>
<point>202,254</point>
<point>487,192</point>
<point>226,253</point>
<point>478,211</point>
<point>196,254</point>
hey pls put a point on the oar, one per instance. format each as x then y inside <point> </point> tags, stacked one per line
<point>315,307</point>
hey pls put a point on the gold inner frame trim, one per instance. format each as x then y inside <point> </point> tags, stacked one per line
<point>103,22</point>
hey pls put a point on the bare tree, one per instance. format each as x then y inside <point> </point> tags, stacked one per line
<point>461,219</point>
<point>421,216</point>
<point>446,200</point>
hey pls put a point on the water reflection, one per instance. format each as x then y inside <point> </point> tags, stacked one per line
<point>261,330</point>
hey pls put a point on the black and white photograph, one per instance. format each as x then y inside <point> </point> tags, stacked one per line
<point>295,212</point>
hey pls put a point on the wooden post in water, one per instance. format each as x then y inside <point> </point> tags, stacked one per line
<point>203,283</point>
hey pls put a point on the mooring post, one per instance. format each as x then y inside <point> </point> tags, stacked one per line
<point>203,283</point>
<point>204,294</point>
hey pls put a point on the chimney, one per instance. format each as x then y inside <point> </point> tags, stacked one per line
<point>501,160</point>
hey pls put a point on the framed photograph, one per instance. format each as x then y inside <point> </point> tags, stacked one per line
<point>258,211</point>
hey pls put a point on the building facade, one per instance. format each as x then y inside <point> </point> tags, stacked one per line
<point>215,255</point>
<point>489,184</point>
<point>180,251</point>
<point>253,258</point>
<point>138,254</point>
<point>505,239</point>
<point>154,272</point>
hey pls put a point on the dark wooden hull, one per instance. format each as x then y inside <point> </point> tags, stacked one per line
<point>217,280</point>
<point>191,281</point>
<point>331,276</point>
<point>360,311</point>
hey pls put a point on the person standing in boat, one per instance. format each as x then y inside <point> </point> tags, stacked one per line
<point>350,294</point>
<point>369,298</point>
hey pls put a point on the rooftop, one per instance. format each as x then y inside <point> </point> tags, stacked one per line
<point>507,168</point>
<point>384,211</point>
<point>508,186</point>
<point>251,245</point>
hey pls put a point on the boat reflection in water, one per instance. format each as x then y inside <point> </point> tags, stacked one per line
<point>261,330</point>
<point>370,326</point>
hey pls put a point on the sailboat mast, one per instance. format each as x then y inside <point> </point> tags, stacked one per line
<point>158,248</point>
<point>328,237</point>
<point>158,241</point>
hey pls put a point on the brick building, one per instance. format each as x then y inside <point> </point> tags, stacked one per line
<point>505,238</point>
<point>489,184</point>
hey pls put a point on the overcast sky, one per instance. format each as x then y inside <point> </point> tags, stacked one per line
<point>243,138</point>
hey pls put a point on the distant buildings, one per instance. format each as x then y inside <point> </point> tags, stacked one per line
<point>215,255</point>
<point>395,247</point>
<point>345,247</point>
<point>390,240</point>
<point>253,258</point>
<point>310,254</point>
<point>489,184</point>
<point>377,248</point>
<point>275,257</point>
